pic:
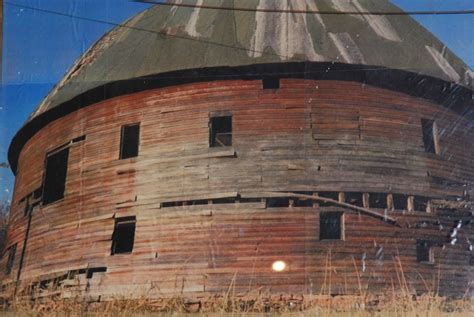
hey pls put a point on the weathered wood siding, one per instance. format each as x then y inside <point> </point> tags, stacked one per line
<point>306,136</point>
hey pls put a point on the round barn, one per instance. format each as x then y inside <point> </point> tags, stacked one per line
<point>259,145</point>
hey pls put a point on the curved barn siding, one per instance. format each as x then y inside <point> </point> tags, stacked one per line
<point>281,142</point>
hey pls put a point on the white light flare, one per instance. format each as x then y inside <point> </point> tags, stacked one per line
<point>278,266</point>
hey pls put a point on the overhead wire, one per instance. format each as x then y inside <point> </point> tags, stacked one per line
<point>424,12</point>
<point>162,33</point>
<point>166,34</point>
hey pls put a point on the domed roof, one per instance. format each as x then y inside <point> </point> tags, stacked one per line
<point>167,38</point>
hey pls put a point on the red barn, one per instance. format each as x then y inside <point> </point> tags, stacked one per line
<point>259,144</point>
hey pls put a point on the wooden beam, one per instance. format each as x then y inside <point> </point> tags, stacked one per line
<point>365,200</point>
<point>411,203</point>
<point>366,211</point>
<point>390,205</point>
<point>341,197</point>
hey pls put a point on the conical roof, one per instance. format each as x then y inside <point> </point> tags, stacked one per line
<point>167,38</point>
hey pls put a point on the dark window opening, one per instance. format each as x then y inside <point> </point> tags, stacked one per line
<point>197,202</point>
<point>228,200</point>
<point>355,199</point>
<point>330,195</point>
<point>79,139</point>
<point>184,203</point>
<point>271,83</point>
<point>420,203</point>
<point>378,200</point>
<point>215,201</point>
<point>54,183</point>
<point>11,259</point>
<point>303,202</point>
<point>129,141</point>
<point>278,202</point>
<point>424,251</point>
<point>92,270</point>
<point>429,135</point>
<point>250,200</point>
<point>305,193</point>
<point>300,202</point>
<point>400,201</point>
<point>220,133</point>
<point>167,204</point>
<point>330,226</point>
<point>124,235</point>
<point>71,274</point>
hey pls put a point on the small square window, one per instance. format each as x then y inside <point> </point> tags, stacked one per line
<point>220,131</point>
<point>424,251</point>
<point>330,226</point>
<point>54,182</point>
<point>129,141</point>
<point>11,259</point>
<point>430,136</point>
<point>271,83</point>
<point>124,235</point>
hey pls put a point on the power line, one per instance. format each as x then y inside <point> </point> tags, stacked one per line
<point>430,12</point>
<point>161,33</point>
<point>164,34</point>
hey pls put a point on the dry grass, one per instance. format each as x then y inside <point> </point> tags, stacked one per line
<point>257,303</point>
<point>400,301</point>
<point>220,305</point>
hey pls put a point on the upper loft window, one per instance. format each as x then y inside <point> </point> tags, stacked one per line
<point>271,83</point>
<point>331,226</point>
<point>129,141</point>
<point>220,130</point>
<point>430,136</point>
<point>11,259</point>
<point>424,251</point>
<point>124,235</point>
<point>54,182</point>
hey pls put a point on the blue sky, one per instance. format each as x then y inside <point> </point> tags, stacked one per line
<point>39,47</point>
